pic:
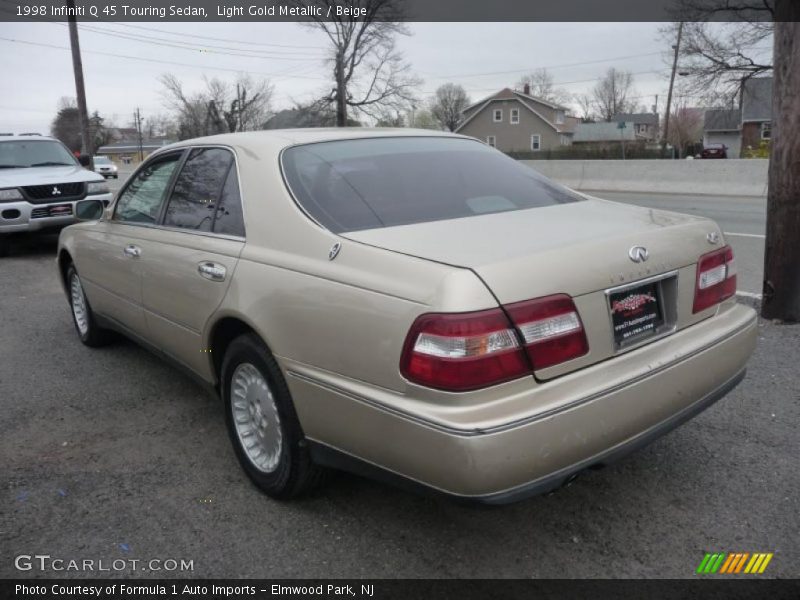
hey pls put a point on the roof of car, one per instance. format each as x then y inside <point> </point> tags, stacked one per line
<point>289,137</point>
<point>16,137</point>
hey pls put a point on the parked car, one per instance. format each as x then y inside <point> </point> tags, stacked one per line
<point>411,305</point>
<point>714,151</point>
<point>40,182</point>
<point>105,167</point>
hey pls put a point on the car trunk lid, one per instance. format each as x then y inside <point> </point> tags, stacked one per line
<point>581,249</point>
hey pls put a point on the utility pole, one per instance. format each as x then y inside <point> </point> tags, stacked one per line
<point>80,90</point>
<point>781,286</point>
<point>137,118</point>
<point>677,48</point>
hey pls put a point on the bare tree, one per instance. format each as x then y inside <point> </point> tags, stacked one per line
<point>448,104</point>
<point>716,58</point>
<point>614,94</point>
<point>542,86</point>
<point>220,108</point>
<point>585,104</point>
<point>686,127</point>
<point>369,73</point>
<point>423,119</point>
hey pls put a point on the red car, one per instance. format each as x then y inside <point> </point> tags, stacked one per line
<point>714,151</point>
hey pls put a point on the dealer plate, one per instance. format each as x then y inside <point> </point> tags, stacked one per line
<point>636,313</point>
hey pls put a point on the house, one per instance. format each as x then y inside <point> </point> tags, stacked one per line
<point>127,152</point>
<point>607,135</point>
<point>744,127</point>
<point>756,105</point>
<point>645,125</point>
<point>722,126</point>
<point>514,121</point>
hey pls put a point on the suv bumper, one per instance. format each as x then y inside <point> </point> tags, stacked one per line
<point>19,217</point>
<point>534,439</point>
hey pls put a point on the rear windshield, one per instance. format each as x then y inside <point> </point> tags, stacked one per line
<point>369,183</point>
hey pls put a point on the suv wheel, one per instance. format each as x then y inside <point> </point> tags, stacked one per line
<point>262,422</point>
<point>5,245</point>
<point>90,333</point>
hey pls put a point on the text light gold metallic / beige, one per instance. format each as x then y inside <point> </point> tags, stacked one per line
<point>337,327</point>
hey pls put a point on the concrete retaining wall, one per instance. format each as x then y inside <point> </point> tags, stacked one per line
<point>717,177</point>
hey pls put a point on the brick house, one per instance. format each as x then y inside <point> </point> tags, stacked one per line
<point>744,127</point>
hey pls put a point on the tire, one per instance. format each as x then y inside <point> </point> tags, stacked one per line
<point>5,245</point>
<point>283,468</point>
<point>90,333</point>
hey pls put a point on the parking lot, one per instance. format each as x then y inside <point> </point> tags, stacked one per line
<point>110,454</point>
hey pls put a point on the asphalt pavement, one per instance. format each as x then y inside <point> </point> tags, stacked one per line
<point>111,454</point>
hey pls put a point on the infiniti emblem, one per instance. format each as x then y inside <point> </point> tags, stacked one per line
<point>638,254</point>
<point>56,192</point>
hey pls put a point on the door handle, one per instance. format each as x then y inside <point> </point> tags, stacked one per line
<point>212,271</point>
<point>132,251</point>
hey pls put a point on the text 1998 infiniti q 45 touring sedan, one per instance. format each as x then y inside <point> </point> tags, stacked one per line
<point>411,305</point>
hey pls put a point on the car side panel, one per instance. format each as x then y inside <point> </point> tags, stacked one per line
<point>111,280</point>
<point>177,300</point>
<point>348,316</point>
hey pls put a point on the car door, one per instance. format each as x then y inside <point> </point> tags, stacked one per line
<point>192,255</point>
<point>111,266</point>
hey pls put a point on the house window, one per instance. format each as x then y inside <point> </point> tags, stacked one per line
<point>536,142</point>
<point>559,117</point>
<point>766,130</point>
<point>514,118</point>
<point>565,141</point>
<point>491,141</point>
<point>498,115</point>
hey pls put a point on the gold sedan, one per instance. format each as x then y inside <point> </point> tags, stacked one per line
<point>411,305</point>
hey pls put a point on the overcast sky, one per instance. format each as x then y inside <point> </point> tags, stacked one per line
<point>483,57</point>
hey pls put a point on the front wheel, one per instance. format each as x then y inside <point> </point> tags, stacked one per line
<point>89,331</point>
<point>262,422</point>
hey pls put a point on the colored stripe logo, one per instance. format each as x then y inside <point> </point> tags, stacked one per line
<point>731,563</point>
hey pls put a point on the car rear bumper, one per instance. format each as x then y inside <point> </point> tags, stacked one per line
<point>574,422</point>
<point>22,216</point>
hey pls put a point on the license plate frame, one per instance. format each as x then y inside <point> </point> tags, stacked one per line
<point>642,311</point>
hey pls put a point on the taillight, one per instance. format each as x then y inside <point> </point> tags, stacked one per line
<point>462,351</point>
<point>551,329</point>
<point>467,351</point>
<point>716,278</point>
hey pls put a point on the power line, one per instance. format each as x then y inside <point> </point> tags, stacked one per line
<point>205,37</point>
<point>165,62</point>
<point>560,82</point>
<point>561,66</point>
<point>273,55</point>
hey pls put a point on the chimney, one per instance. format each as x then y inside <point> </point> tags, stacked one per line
<point>526,89</point>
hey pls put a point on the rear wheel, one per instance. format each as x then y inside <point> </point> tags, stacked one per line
<point>262,422</point>
<point>86,325</point>
<point>5,245</point>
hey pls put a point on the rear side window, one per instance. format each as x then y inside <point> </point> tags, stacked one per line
<point>141,200</point>
<point>352,185</point>
<point>197,195</point>
<point>229,218</point>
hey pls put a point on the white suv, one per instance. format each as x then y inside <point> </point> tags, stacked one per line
<point>40,182</point>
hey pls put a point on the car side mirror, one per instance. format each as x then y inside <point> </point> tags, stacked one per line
<point>89,210</point>
<point>85,160</point>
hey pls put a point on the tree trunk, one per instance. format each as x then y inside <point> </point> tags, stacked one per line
<point>341,92</point>
<point>781,286</point>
